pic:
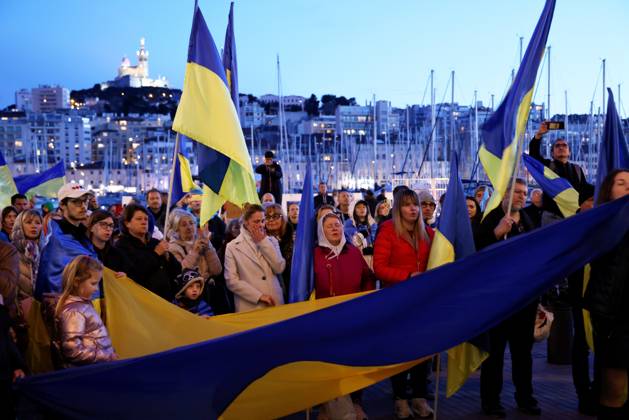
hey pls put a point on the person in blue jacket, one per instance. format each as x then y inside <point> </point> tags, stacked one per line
<point>190,295</point>
<point>68,239</point>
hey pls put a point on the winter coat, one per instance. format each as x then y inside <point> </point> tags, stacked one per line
<point>82,337</point>
<point>199,307</point>
<point>145,267</point>
<point>320,200</point>
<point>362,237</point>
<point>486,234</point>
<point>252,270</point>
<point>9,266</point>
<point>394,258</point>
<point>607,293</point>
<point>342,275</point>
<point>208,264</point>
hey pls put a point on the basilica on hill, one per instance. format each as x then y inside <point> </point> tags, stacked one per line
<point>138,75</point>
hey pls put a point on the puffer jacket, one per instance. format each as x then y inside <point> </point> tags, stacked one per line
<point>82,337</point>
<point>607,293</point>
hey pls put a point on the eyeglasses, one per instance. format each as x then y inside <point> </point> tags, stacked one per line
<point>428,204</point>
<point>106,225</point>
<point>274,217</point>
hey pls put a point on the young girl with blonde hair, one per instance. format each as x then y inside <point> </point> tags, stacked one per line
<point>82,336</point>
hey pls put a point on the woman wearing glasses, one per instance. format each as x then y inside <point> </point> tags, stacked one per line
<point>100,229</point>
<point>278,227</point>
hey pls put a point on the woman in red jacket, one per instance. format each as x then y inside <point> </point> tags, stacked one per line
<point>400,252</point>
<point>340,269</point>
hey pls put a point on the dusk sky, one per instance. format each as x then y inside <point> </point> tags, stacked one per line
<point>351,48</point>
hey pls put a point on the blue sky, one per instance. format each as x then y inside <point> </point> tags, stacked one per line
<point>348,47</point>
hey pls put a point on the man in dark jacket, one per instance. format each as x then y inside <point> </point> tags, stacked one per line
<point>271,181</point>
<point>559,164</point>
<point>323,197</point>
<point>535,209</point>
<point>157,208</point>
<point>516,330</point>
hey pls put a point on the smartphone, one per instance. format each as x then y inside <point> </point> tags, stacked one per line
<point>556,125</point>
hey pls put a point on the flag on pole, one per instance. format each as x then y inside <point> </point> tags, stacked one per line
<point>229,59</point>
<point>44,184</point>
<point>7,186</point>
<point>453,241</point>
<point>302,275</point>
<point>182,176</point>
<point>502,131</point>
<point>613,153</point>
<point>559,189</point>
<point>206,114</point>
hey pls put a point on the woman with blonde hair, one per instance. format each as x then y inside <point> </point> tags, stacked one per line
<point>82,337</point>
<point>253,263</point>
<point>193,251</point>
<point>401,253</point>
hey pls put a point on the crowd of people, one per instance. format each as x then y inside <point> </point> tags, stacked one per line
<point>241,263</point>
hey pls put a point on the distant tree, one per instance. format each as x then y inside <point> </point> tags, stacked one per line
<point>311,106</point>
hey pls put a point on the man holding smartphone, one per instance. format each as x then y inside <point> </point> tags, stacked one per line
<point>560,163</point>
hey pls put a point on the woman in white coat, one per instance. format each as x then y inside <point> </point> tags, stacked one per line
<point>253,263</point>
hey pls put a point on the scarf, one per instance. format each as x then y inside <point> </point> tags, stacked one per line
<point>29,249</point>
<point>335,250</point>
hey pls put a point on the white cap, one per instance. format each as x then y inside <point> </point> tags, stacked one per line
<point>71,190</point>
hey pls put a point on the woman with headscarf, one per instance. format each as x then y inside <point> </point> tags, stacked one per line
<point>9,214</point>
<point>339,269</point>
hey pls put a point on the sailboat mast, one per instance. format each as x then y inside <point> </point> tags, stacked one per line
<point>603,108</point>
<point>548,105</point>
<point>375,142</point>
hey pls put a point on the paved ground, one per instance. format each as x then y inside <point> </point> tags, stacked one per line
<point>552,384</point>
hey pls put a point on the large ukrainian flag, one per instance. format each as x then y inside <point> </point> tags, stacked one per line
<point>43,184</point>
<point>566,197</point>
<point>502,132</point>
<point>207,115</point>
<point>7,186</point>
<point>453,241</point>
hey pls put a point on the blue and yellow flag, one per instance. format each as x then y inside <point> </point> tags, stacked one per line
<point>182,176</point>
<point>206,114</point>
<point>277,361</point>
<point>229,59</point>
<point>558,188</point>
<point>453,241</point>
<point>44,184</point>
<point>7,186</point>
<point>302,274</point>
<point>613,152</point>
<point>502,131</point>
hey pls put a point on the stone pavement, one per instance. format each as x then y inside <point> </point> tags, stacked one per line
<point>552,385</point>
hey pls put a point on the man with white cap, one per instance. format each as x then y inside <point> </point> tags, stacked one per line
<point>68,239</point>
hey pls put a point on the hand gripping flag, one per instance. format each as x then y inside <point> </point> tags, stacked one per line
<point>302,275</point>
<point>44,184</point>
<point>453,241</point>
<point>613,153</point>
<point>206,114</point>
<point>566,197</point>
<point>502,131</point>
<point>7,186</point>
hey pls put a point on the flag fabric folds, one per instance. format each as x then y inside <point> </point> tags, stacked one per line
<point>613,152</point>
<point>182,176</point>
<point>453,241</point>
<point>7,186</point>
<point>502,131</point>
<point>302,274</point>
<point>206,114</point>
<point>44,184</point>
<point>199,381</point>
<point>566,197</point>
